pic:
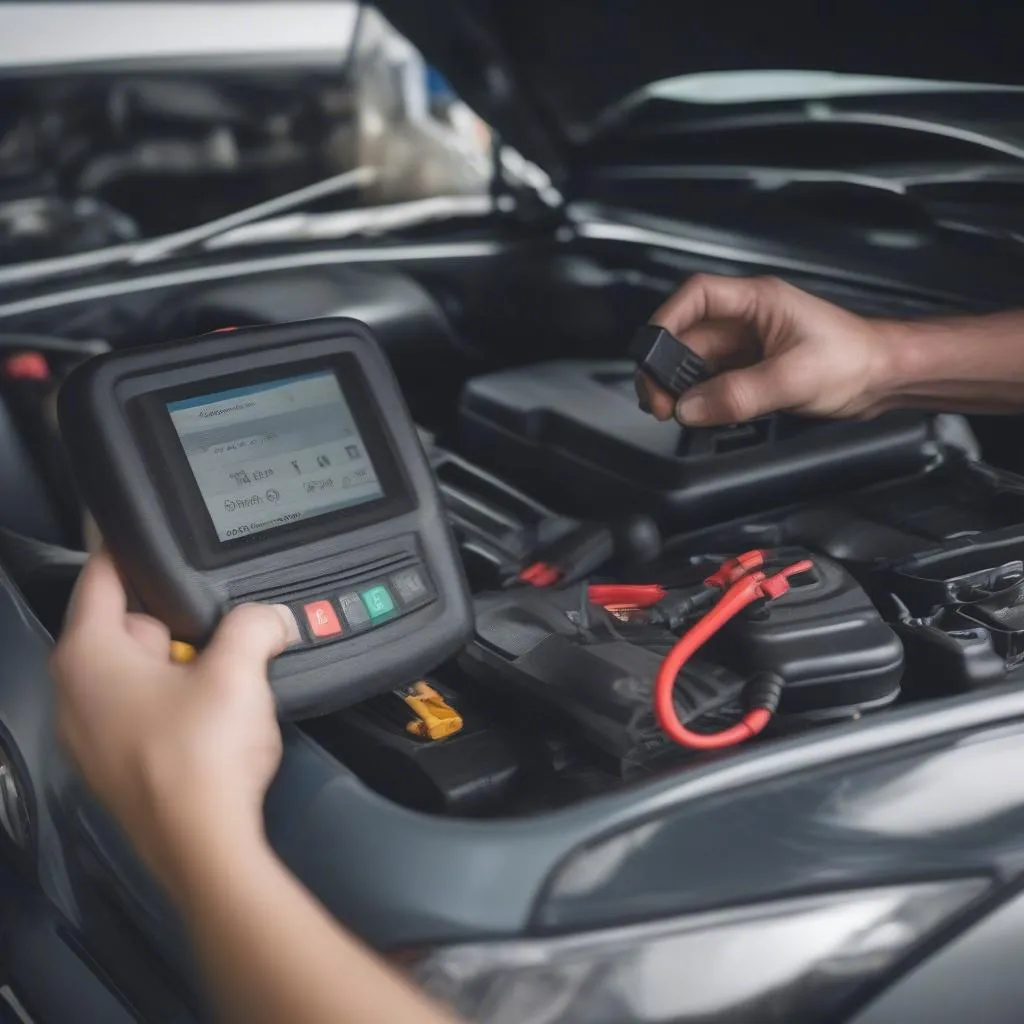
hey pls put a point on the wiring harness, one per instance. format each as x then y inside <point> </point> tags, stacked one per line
<point>737,584</point>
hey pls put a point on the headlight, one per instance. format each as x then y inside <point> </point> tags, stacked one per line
<point>792,960</point>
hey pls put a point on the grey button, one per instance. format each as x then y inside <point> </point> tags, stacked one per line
<point>353,609</point>
<point>409,585</point>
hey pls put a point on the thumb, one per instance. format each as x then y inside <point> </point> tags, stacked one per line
<point>249,636</point>
<point>737,396</point>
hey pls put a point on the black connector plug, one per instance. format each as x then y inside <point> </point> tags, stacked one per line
<point>765,691</point>
<point>679,608</point>
<point>670,363</point>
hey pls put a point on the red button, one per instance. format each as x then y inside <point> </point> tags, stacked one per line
<point>322,618</point>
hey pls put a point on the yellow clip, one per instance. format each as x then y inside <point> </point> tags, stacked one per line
<point>436,719</point>
<point>182,653</point>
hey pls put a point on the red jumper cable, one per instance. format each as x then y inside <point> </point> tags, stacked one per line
<point>644,595</point>
<point>744,589</point>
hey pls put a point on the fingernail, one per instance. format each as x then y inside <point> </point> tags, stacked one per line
<point>291,626</point>
<point>692,409</point>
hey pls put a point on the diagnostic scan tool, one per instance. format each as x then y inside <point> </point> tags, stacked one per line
<point>273,464</point>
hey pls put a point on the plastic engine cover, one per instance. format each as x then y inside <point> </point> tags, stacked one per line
<point>825,638</point>
<point>572,433</point>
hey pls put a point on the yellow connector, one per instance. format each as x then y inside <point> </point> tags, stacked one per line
<point>435,718</point>
<point>182,653</point>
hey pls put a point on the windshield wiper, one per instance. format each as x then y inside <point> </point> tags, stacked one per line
<point>138,253</point>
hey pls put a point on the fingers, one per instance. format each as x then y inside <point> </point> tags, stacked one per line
<point>706,297</point>
<point>150,633</point>
<point>718,317</point>
<point>98,601</point>
<point>741,395</point>
<point>652,399</point>
<point>248,637</point>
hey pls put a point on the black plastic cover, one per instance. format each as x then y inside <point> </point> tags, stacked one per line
<point>475,771</point>
<point>960,572</point>
<point>572,433</point>
<point>961,612</point>
<point>549,645</point>
<point>825,638</point>
<point>500,530</point>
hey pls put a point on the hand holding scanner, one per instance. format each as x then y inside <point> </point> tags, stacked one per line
<point>274,464</point>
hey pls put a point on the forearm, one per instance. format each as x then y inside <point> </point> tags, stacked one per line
<point>271,953</point>
<point>964,364</point>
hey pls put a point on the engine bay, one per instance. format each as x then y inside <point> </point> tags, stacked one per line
<point>595,539</point>
<point>913,594</point>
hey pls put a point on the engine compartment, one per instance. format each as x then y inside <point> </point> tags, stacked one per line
<point>917,544</point>
<point>914,596</point>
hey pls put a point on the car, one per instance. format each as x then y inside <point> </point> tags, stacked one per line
<point>540,851</point>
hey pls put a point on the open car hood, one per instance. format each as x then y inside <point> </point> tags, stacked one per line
<point>543,72</point>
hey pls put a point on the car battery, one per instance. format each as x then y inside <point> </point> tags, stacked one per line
<point>550,647</point>
<point>825,638</point>
<point>596,667</point>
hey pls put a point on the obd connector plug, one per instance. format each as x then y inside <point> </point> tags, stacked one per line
<point>670,363</point>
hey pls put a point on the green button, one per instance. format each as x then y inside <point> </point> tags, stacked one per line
<point>378,602</point>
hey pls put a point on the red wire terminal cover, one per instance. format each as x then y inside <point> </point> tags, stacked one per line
<point>736,568</point>
<point>540,574</point>
<point>633,595</point>
<point>643,595</point>
<point>27,366</point>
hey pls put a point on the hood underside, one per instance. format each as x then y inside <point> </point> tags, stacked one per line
<point>542,72</point>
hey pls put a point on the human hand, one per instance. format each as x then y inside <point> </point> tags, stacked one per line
<point>773,348</point>
<point>180,754</point>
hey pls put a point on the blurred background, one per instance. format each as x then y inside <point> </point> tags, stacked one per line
<point>127,120</point>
